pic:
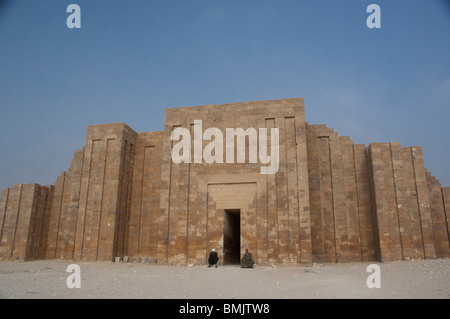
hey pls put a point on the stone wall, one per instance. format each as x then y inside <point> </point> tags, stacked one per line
<point>330,201</point>
<point>145,196</point>
<point>342,228</point>
<point>90,209</point>
<point>408,204</point>
<point>24,221</point>
<point>439,217</point>
<point>275,212</point>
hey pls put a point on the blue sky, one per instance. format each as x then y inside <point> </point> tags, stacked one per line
<point>133,59</point>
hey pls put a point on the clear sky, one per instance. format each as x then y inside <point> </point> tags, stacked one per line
<point>132,59</point>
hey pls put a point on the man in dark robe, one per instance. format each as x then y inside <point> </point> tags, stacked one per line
<point>247,260</point>
<point>213,258</point>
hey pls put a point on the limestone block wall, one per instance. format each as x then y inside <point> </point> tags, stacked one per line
<point>446,199</point>
<point>275,224</point>
<point>91,208</point>
<point>330,201</point>
<point>408,204</point>
<point>145,197</point>
<point>439,217</point>
<point>64,211</point>
<point>24,221</point>
<point>374,203</point>
<point>342,221</point>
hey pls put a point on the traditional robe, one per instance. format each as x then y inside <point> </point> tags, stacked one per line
<point>247,261</point>
<point>213,258</point>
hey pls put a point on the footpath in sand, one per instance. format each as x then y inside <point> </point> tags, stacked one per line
<point>46,279</point>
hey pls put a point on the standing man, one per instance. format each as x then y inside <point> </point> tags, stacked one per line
<point>247,260</point>
<point>213,258</point>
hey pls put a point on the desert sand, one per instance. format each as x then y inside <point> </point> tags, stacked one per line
<point>46,279</point>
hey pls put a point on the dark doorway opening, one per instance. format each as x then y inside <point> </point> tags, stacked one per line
<point>232,237</point>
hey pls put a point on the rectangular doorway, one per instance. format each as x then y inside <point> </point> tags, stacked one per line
<point>232,237</point>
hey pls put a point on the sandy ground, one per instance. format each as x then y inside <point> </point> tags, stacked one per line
<point>47,279</point>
